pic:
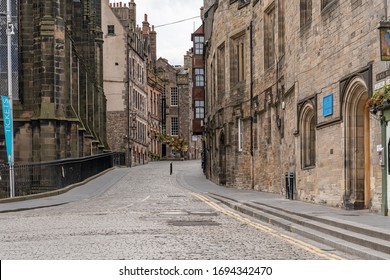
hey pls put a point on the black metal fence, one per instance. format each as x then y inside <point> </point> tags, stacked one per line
<point>33,178</point>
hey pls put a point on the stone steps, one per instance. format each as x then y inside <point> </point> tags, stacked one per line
<point>357,239</point>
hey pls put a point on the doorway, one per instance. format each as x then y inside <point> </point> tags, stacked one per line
<point>357,146</point>
<point>222,160</point>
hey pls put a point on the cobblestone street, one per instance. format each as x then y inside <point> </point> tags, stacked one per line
<point>147,214</point>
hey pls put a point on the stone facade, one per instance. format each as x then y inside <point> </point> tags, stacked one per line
<point>155,88</point>
<point>60,112</point>
<point>130,83</point>
<point>289,93</point>
<point>176,105</point>
<point>198,93</point>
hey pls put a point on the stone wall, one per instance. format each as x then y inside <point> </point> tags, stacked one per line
<point>334,53</point>
<point>61,89</point>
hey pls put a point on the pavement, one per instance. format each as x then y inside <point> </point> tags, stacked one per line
<point>191,177</point>
<point>92,187</point>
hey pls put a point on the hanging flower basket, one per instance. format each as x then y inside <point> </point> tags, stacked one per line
<point>380,97</point>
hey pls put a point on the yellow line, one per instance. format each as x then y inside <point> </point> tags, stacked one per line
<point>296,242</point>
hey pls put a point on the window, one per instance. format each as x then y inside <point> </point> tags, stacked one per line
<point>199,77</point>
<point>242,3</point>
<point>308,137</point>
<point>111,29</point>
<point>305,12</point>
<point>199,41</point>
<point>240,134</point>
<point>326,3</point>
<point>221,69</point>
<point>174,97</point>
<point>174,126</point>
<point>281,27</point>
<point>238,59</point>
<point>269,37</point>
<point>199,109</point>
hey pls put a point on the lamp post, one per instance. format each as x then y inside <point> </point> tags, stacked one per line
<point>7,104</point>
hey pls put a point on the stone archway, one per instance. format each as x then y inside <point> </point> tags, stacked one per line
<point>357,145</point>
<point>222,159</point>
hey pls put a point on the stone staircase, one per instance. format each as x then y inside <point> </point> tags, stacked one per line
<point>365,242</point>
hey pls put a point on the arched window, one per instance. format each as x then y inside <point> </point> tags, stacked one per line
<point>308,137</point>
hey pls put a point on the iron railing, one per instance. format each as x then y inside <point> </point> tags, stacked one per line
<point>33,178</point>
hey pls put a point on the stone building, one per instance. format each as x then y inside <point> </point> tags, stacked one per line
<point>60,108</point>
<point>176,107</point>
<point>130,85</point>
<point>198,92</point>
<point>155,88</point>
<point>288,94</point>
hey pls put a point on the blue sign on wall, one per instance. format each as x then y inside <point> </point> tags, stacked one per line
<point>327,105</point>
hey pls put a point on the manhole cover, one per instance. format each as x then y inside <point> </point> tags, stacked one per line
<point>192,223</point>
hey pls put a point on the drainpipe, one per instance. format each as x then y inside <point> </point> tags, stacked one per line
<point>251,103</point>
<point>128,151</point>
<point>384,120</point>
<point>384,207</point>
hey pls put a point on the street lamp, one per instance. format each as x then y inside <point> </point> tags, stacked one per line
<point>7,104</point>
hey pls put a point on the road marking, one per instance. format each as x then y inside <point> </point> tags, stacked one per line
<point>299,243</point>
<point>146,198</point>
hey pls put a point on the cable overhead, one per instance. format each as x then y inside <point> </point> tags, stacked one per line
<point>171,23</point>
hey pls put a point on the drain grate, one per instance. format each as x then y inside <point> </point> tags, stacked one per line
<point>192,223</point>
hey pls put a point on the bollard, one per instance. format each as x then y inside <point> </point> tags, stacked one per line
<point>171,168</point>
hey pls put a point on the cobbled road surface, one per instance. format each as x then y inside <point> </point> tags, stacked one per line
<point>146,214</point>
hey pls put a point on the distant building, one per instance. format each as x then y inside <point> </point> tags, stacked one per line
<point>59,106</point>
<point>198,92</point>
<point>155,88</point>
<point>130,84</point>
<point>175,108</point>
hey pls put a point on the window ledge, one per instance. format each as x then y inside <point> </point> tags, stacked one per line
<point>308,167</point>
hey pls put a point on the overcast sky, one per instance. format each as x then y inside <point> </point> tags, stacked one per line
<point>172,40</point>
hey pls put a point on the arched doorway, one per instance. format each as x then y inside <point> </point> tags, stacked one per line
<point>357,145</point>
<point>222,159</point>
